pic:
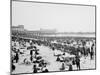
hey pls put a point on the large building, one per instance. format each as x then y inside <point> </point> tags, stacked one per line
<point>18,28</point>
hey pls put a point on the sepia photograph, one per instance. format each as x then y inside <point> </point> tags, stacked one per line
<point>52,37</point>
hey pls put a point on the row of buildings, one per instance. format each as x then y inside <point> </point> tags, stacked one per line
<point>20,30</point>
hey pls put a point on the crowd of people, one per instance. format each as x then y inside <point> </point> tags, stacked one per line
<point>35,57</point>
<point>67,51</point>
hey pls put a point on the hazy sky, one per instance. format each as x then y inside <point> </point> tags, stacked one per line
<point>69,18</point>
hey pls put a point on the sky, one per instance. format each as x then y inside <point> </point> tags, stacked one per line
<point>63,18</point>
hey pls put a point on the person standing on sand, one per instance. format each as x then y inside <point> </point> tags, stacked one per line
<point>70,67</point>
<point>78,62</point>
<point>17,57</point>
<point>35,69</point>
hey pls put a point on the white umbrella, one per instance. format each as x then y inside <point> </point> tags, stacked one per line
<point>57,52</point>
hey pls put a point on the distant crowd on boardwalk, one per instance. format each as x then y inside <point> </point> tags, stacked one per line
<point>68,52</point>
